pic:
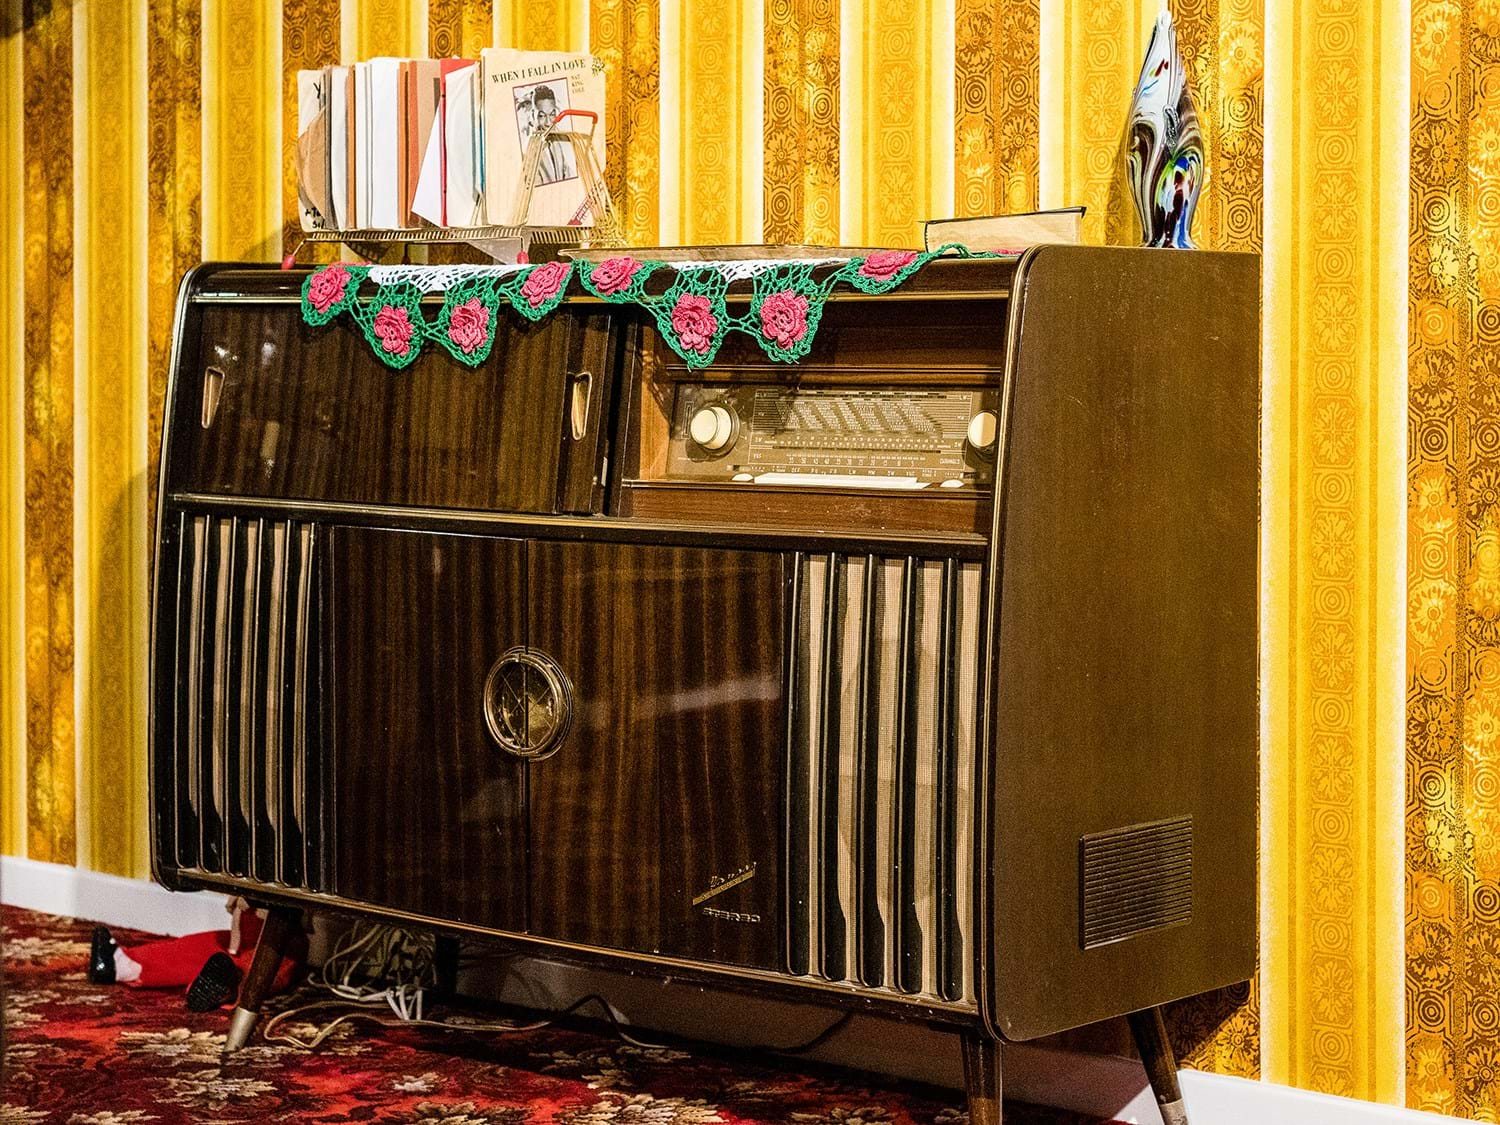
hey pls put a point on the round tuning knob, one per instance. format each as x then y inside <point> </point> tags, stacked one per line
<point>712,428</point>
<point>982,432</point>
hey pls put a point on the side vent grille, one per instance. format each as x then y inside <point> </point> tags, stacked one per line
<point>243,736</point>
<point>883,674</point>
<point>1135,880</point>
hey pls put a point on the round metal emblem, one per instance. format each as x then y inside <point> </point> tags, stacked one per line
<point>528,704</point>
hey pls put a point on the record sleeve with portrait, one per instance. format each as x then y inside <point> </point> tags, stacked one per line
<point>524,93</point>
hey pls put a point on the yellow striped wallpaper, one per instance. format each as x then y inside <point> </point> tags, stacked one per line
<point>12,443</point>
<point>46,235</point>
<point>1334,549</point>
<point>110,412</point>
<point>142,135</point>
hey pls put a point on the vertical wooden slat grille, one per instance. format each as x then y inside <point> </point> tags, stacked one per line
<point>245,684</point>
<point>883,668</point>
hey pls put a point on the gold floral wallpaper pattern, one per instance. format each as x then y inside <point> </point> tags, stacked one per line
<point>1335,405</point>
<point>626,35</point>
<point>47,60</point>
<point>13,664</point>
<point>996,69</point>
<point>801,92</point>
<point>852,120</point>
<point>1453,638</point>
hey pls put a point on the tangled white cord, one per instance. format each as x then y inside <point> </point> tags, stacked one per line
<point>371,964</point>
<point>374,964</point>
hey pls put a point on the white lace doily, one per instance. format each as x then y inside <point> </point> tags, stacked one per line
<point>439,279</point>
<point>436,279</point>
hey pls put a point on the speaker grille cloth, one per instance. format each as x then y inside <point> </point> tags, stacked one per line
<point>1136,879</point>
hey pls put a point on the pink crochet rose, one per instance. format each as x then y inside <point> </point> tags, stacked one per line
<point>694,322</point>
<point>614,274</point>
<point>544,283</point>
<point>886,264</point>
<point>327,287</point>
<point>393,326</point>
<point>469,326</point>
<point>783,317</point>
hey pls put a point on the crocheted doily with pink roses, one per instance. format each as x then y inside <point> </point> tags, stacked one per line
<point>786,301</point>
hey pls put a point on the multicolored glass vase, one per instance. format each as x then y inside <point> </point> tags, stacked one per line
<point>1165,155</point>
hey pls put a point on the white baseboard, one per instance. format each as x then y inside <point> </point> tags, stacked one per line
<point>1115,1088</point>
<point>73,892</point>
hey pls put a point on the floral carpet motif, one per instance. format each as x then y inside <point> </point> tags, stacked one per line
<point>84,1054</point>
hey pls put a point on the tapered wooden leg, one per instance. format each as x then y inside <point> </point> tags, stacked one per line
<point>281,922</point>
<point>982,1078</point>
<point>1150,1032</point>
<point>445,954</point>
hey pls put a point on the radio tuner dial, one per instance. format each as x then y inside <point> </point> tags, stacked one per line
<point>982,432</point>
<point>712,428</point>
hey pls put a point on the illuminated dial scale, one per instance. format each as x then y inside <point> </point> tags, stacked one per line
<point>891,438</point>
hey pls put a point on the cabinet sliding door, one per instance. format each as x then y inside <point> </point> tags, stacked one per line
<point>430,812</point>
<point>657,824</point>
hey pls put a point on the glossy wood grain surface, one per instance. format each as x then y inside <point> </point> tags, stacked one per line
<point>429,814</point>
<point>952,341</point>
<point>1119,664</point>
<point>670,777</point>
<point>311,413</point>
<point>588,411</point>
<point>822,509</point>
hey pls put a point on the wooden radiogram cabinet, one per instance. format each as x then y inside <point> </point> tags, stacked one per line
<point>918,676</point>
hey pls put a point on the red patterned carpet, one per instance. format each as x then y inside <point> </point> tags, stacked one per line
<point>83,1054</point>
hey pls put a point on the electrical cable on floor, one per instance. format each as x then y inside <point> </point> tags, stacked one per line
<point>502,1027</point>
<point>817,1040</point>
<point>403,962</point>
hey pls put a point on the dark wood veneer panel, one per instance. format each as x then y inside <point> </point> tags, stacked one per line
<point>311,413</point>
<point>671,775</point>
<point>1125,664</point>
<point>902,340</point>
<point>822,509</point>
<point>430,813</point>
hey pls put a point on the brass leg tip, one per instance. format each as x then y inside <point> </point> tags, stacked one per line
<point>241,1024</point>
<point>1174,1113</point>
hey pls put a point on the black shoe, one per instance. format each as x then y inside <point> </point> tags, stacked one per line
<point>215,985</point>
<point>102,956</point>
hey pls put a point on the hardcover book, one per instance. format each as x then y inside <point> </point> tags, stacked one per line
<point>386,125</point>
<point>340,85</point>
<point>422,96</point>
<point>314,198</point>
<point>1003,233</point>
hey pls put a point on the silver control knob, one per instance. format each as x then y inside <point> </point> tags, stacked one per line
<point>712,428</point>
<point>982,431</point>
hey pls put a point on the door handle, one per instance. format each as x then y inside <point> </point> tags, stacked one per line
<point>528,704</point>
<point>578,404</point>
